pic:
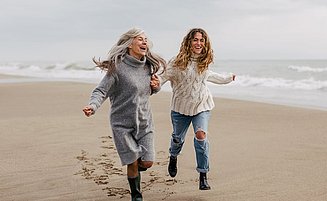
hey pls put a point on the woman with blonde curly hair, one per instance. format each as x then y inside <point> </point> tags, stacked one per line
<point>192,101</point>
<point>128,83</point>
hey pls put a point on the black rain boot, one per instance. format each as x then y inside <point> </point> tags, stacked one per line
<point>203,182</point>
<point>135,185</point>
<point>172,167</point>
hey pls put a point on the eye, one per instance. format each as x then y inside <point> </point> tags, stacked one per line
<point>143,39</point>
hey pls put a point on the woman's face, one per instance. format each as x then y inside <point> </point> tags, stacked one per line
<point>139,47</point>
<point>197,43</point>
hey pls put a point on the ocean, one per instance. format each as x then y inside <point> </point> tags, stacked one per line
<point>300,83</point>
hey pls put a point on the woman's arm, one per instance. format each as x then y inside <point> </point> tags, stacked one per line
<point>99,95</point>
<point>220,79</point>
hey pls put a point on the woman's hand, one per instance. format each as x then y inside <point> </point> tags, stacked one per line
<point>88,110</point>
<point>154,83</point>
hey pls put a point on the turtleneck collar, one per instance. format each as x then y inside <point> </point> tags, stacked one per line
<point>194,57</point>
<point>132,61</point>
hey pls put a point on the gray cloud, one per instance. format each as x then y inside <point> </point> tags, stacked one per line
<point>80,29</point>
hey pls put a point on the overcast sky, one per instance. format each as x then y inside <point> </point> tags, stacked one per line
<point>70,30</point>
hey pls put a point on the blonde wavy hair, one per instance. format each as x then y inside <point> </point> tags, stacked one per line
<point>185,52</point>
<point>120,49</point>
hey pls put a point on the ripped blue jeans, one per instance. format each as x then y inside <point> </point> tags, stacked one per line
<point>181,124</point>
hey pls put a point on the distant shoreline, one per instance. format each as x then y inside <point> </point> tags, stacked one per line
<point>6,79</point>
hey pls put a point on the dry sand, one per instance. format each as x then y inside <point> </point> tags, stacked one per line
<point>50,151</point>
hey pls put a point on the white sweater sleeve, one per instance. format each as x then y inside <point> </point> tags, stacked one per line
<point>218,78</point>
<point>167,75</point>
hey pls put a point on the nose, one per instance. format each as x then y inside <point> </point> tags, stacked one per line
<point>144,41</point>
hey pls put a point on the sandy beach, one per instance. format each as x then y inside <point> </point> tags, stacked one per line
<point>259,152</point>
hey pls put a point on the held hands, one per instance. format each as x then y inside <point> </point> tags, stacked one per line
<point>88,110</point>
<point>154,83</point>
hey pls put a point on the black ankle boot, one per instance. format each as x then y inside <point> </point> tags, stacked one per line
<point>135,185</point>
<point>203,182</point>
<point>172,167</point>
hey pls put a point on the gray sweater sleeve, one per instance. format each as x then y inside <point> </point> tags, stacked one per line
<point>101,92</point>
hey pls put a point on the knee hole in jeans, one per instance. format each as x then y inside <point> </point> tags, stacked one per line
<point>200,135</point>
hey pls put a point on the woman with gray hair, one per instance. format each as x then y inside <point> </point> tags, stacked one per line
<point>128,83</point>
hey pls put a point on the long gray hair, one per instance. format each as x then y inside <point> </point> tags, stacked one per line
<point>120,49</point>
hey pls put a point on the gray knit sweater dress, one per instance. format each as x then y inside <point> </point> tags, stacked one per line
<point>128,89</point>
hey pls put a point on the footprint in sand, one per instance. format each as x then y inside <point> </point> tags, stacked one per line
<point>101,168</point>
<point>113,191</point>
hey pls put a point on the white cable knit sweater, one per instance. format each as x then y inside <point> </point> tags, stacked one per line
<point>190,92</point>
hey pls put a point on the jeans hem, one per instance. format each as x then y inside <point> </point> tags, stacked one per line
<point>202,170</point>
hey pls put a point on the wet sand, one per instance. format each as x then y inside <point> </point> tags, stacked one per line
<point>51,151</point>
